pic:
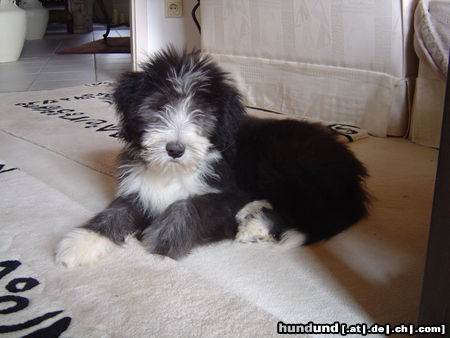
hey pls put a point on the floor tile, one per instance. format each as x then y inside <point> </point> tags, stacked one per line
<point>9,68</point>
<point>16,77</point>
<point>48,85</point>
<point>15,86</point>
<point>64,63</point>
<point>39,48</point>
<point>39,68</point>
<point>124,66</point>
<point>66,75</point>
<point>112,58</point>
<point>71,42</point>
<point>108,75</point>
<point>71,67</point>
<point>71,58</point>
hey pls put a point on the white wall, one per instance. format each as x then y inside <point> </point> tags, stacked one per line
<point>151,31</point>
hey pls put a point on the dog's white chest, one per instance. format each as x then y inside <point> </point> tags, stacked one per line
<point>157,191</point>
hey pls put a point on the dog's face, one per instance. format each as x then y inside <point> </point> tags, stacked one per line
<point>179,111</point>
<point>177,132</point>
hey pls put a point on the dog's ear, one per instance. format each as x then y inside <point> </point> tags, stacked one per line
<point>229,119</point>
<point>127,99</point>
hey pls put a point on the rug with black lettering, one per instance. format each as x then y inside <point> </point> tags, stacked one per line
<point>128,294</point>
<point>79,123</point>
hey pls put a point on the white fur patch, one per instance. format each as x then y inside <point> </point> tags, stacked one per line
<point>186,79</point>
<point>82,247</point>
<point>251,209</point>
<point>254,230</point>
<point>253,226</point>
<point>292,239</point>
<point>157,190</point>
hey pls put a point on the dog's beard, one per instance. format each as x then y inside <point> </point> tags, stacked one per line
<point>155,155</point>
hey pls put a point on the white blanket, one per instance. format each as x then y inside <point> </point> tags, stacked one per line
<point>129,294</point>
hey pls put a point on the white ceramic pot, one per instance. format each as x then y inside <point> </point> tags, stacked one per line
<point>13,26</point>
<point>37,19</point>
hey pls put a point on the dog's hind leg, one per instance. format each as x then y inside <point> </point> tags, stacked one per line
<point>259,222</point>
<point>253,224</point>
<point>101,235</point>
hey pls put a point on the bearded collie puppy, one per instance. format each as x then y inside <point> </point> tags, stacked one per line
<point>196,169</point>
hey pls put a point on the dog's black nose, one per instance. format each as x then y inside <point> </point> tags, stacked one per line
<point>175,149</point>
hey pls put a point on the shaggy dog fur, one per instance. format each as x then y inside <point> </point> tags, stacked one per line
<point>196,169</point>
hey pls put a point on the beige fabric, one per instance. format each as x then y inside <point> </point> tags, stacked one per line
<point>431,42</point>
<point>344,61</point>
<point>428,107</point>
<point>432,34</point>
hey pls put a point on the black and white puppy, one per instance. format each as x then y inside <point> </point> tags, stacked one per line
<point>196,169</point>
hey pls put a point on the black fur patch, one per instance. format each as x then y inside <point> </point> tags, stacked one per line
<point>313,181</point>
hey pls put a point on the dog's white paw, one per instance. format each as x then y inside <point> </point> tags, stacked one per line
<point>253,226</point>
<point>82,247</point>
<point>253,231</point>
<point>251,210</point>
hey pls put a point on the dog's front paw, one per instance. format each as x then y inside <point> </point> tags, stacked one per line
<point>253,225</point>
<point>82,247</point>
<point>166,239</point>
<point>172,233</point>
